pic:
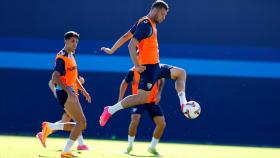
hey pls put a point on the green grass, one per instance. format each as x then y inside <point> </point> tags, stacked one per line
<point>29,147</point>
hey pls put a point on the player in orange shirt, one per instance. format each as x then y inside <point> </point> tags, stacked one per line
<point>143,36</point>
<point>65,77</point>
<point>65,118</point>
<point>151,106</point>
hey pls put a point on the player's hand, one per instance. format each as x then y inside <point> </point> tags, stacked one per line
<point>82,80</point>
<point>87,96</point>
<point>140,68</point>
<point>106,50</point>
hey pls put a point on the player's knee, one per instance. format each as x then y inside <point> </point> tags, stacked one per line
<point>134,124</point>
<point>143,98</point>
<point>82,123</point>
<point>161,124</point>
<point>182,73</point>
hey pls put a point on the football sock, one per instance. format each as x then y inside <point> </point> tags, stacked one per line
<point>115,108</point>
<point>130,140</point>
<point>68,145</point>
<point>154,142</point>
<point>182,98</point>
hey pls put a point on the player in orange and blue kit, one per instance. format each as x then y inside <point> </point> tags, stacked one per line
<point>143,36</point>
<point>65,118</point>
<point>151,106</point>
<point>65,77</point>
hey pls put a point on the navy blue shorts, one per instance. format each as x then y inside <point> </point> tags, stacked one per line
<point>153,73</point>
<point>61,97</point>
<point>153,109</point>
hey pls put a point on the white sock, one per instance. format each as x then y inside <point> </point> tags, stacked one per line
<point>56,126</point>
<point>115,108</point>
<point>130,140</point>
<point>182,97</point>
<point>68,145</point>
<point>81,140</point>
<point>154,142</point>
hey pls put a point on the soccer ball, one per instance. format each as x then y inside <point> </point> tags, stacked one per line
<point>191,110</point>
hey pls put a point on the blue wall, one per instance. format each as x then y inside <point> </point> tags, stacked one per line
<point>239,105</point>
<point>231,22</point>
<point>234,110</point>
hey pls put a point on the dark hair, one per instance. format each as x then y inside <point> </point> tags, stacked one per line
<point>160,4</point>
<point>70,34</point>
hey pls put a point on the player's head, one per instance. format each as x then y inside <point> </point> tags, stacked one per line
<point>159,10</point>
<point>71,39</point>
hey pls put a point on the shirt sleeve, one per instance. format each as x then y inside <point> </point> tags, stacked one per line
<point>133,29</point>
<point>60,66</point>
<point>143,30</point>
<point>129,76</point>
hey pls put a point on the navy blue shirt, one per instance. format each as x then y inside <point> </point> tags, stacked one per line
<point>142,30</point>
<point>60,64</point>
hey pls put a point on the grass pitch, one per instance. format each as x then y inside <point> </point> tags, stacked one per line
<point>30,147</point>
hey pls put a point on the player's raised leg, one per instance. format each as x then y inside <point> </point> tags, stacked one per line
<point>180,76</point>
<point>128,101</point>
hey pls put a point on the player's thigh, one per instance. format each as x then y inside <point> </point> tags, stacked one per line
<point>176,72</point>
<point>75,111</point>
<point>143,93</point>
<point>165,71</point>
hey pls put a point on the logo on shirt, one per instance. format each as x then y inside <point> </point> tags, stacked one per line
<point>72,68</point>
<point>149,85</point>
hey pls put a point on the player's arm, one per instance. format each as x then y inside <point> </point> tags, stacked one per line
<point>127,36</point>
<point>161,83</point>
<point>56,79</point>
<point>128,79</point>
<point>83,90</point>
<point>52,87</point>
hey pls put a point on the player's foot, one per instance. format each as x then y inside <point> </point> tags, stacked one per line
<point>82,147</point>
<point>39,135</point>
<point>128,150</point>
<point>46,131</point>
<point>66,155</point>
<point>104,116</point>
<point>153,151</point>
